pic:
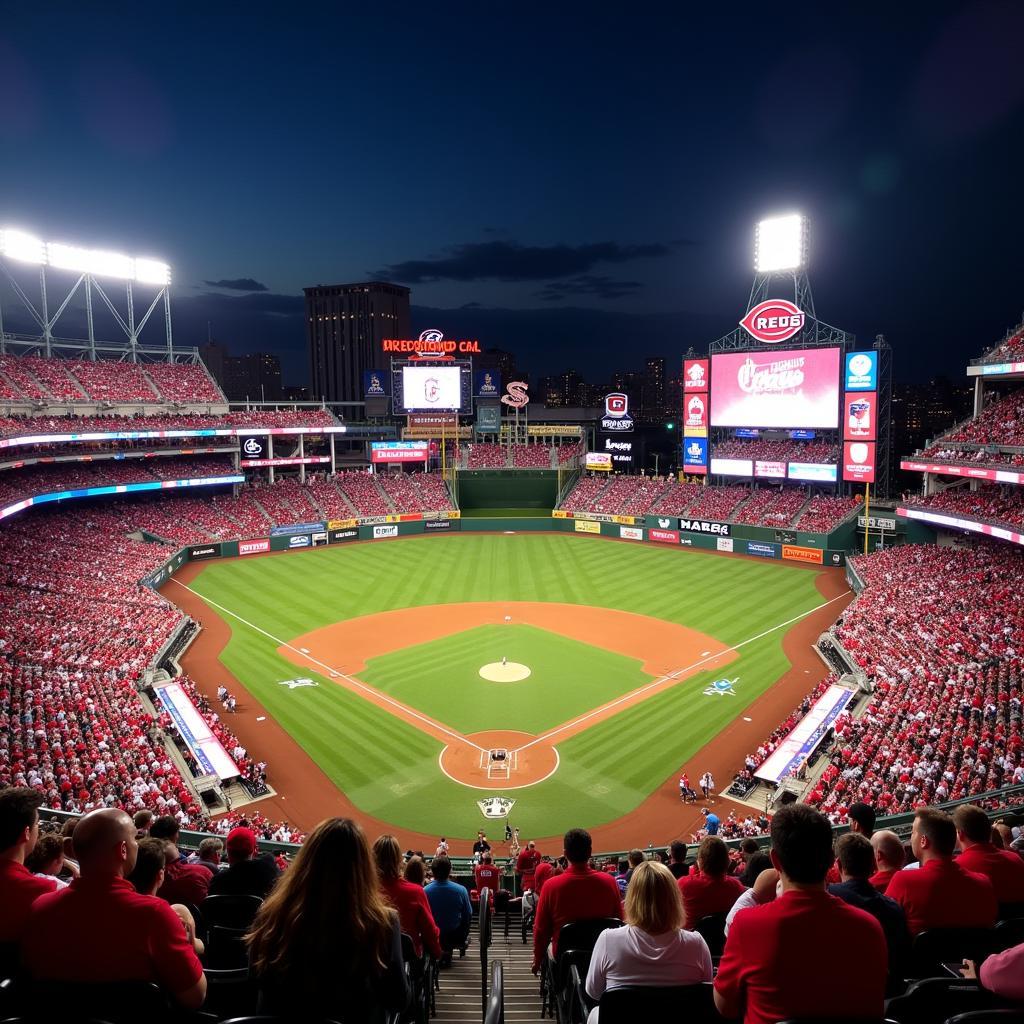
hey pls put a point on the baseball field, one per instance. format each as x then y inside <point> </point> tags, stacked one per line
<point>393,671</point>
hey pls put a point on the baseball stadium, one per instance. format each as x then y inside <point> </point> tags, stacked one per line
<point>453,614</point>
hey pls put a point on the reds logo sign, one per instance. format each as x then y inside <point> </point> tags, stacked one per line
<point>773,320</point>
<point>431,389</point>
<point>516,395</point>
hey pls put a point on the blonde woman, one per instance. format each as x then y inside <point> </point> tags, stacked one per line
<point>325,943</point>
<point>653,948</point>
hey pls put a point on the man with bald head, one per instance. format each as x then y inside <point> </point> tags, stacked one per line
<point>99,929</point>
<point>889,858</point>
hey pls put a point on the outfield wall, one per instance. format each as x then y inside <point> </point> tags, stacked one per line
<point>507,488</point>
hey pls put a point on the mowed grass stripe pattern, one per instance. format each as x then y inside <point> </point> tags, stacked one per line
<point>389,769</point>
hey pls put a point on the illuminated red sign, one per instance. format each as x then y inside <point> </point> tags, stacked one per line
<point>773,320</point>
<point>696,373</point>
<point>430,348</point>
<point>859,461</point>
<point>695,411</point>
<point>860,409</point>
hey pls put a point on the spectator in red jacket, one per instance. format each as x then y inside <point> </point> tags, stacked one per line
<point>942,894</point>
<point>773,969</point>
<point>526,865</point>
<point>408,899</point>
<point>19,888</point>
<point>487,876</point>
<point>579,893</point>
<point>710,889</point>
<point>1004,869</point>
<point>889,858</point>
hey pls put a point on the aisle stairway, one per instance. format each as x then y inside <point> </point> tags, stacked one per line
<point>459,998</point>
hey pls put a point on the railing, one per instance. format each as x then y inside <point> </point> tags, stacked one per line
<point>484,939</point>
<point>494,1008</point>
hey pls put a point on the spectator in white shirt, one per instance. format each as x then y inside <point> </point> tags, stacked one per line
<point>653,948</point>
<point>764,890</point>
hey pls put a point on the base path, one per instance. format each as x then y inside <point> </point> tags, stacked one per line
<point>305,795</point>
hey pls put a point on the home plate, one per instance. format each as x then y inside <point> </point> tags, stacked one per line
<point>509,672</point>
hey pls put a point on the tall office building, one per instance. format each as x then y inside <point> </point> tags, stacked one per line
<point>346,324</point>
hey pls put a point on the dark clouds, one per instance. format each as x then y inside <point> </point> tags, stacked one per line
<point>508,261</point>
<point>588,284</point>
<point>237,284</point>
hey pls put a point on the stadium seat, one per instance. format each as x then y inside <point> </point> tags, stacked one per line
<point>122,1002</point>
<point>712,929</point>
<point>280,1020</point>
<point>225,947</point>
<point>1010,932</point>
<point>229,991</point>
<point>230,911</point>
<point>421,970</point>
<point>1004,1016</point>
<point>931,949</point>
<point>633,1003</point>
<point>576,941</point>
<point>933,999</point>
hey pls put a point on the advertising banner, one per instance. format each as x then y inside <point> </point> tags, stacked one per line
<point>859,461</point>
<point>971,525</point>
<point>598,460</point>
<point>724,543</point>
<point>770,470</point>
<point>399,451</point>
<point>616,417</point>
<point>695,455</point>
<point>696,374</point>
<point>340,524</point>
<point>586,526</point>
<point>813,472</point>
<point>619,448</point>
<point>791,388</point>
<point>253,446</point>
<point>631,533</point>
<point>732,467</point>
<point>341,535</point>
<point>374,384</point>
<point>859,415</point>
<point>299,540</point>
<point>559,513</point>
<point>695,412</point>
<point>793,553</point>
<point>441,524</point>
<point>488,384</point>
<point>1003,476</point>
<point>208,751</point>
<point>861,371</point>
<point>664,536</point>
<point>876,522</point>
<point>198,554</point>
<point>308,460</point>
<point>761,549</point>
<point>705,526</point>
<point>253,547</point>
<point>384,531</point>
<point>488,419</point>
<point>286,531</point>
<point>438,423</point>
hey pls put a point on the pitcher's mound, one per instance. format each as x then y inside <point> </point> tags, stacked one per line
<point>510,672</point>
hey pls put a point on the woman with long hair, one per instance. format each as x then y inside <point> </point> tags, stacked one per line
<point>324,942</point>
<point>653,948</point>
<point>409,900</point>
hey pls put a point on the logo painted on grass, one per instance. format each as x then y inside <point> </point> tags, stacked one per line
<point>495,806</point>
<point>722,688</point>
<point>294,684</point>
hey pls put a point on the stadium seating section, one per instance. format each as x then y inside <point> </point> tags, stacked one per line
<point>1001,422</point>
<point>991,503</point>
<point>776,451</point>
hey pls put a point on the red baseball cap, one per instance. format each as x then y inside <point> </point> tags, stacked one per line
<point>241,840</point>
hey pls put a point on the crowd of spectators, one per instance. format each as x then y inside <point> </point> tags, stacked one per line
<point>40,379</point>
<point>1004,504</point>
<point>772,506</point>
<point>486,455</point>
<point>824,512</point>
<point>1011,348</point>
<point>977,455</point>
<point>767,450</point>
<point>1001,422</point>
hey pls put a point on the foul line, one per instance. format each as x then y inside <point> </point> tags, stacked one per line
<point>675,675</point>
<point>376,694</point>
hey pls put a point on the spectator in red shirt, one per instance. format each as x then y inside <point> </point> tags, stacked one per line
<point>1005,870</point>
<point>545,869</point>
<point>889,858</point>
<point>942,894</point>
<point>99,929</point>
<point>487,876</point>
<point>19,888</point>
<point>409,900</point>
<point>579,893</point>
<point>710,890</point>
<point>183,883</point>
<point>770,970</point>
<point>148,875</point>
<point>526,865</point>
<point>861,818</point>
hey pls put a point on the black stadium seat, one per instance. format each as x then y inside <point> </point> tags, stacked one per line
<point>576,941</point>
<point>230,911</point>
<point>934,999</point>
<point>229,991</point>
<point>712,929</point>
<point>122,1002</point>
<point>634,1003</point>
<point>1015,1016</point>
<point>932,948</point>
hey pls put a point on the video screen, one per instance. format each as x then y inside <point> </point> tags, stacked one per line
<point>789,388</point>
<point>431,387</point>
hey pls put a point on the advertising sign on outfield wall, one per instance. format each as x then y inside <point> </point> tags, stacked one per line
<point>585,526</point>
<point>442,524</point>
<point>286,531</point>
<point>762,550</point>
<point>197,554</point>
<point>724,543</point>
<point>798,554</point>
<point>664,536</point>
<point>339,536</point>
<point>384,531</point>
<point>631,533</point>
<point>253,547</point>
<point>300,540</point>
<point>704,526</point>
<point>340,524</point>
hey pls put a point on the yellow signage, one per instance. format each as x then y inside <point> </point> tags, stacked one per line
<point>341,524</point>
<point>559,514</point>
<point>586,526</point>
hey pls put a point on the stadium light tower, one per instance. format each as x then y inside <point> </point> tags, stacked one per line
<point>19,249</point>
<point>780,250</point>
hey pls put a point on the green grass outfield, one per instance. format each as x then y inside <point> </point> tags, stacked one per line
<point>390,770</point>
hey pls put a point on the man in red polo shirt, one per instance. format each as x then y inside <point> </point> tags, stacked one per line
<point>776,965</point>
<point>19,888</point>
<point>889,858</point>
<point>1003,868</point>
<point>709,890</point>
<point>487,876</point>
<point>526,865</point>
<point>577,894</point>
<point>183,883</point>
<point>941,894</point>
<point>100,929</point>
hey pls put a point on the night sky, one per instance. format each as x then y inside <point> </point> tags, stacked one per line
<point>575,182</point>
